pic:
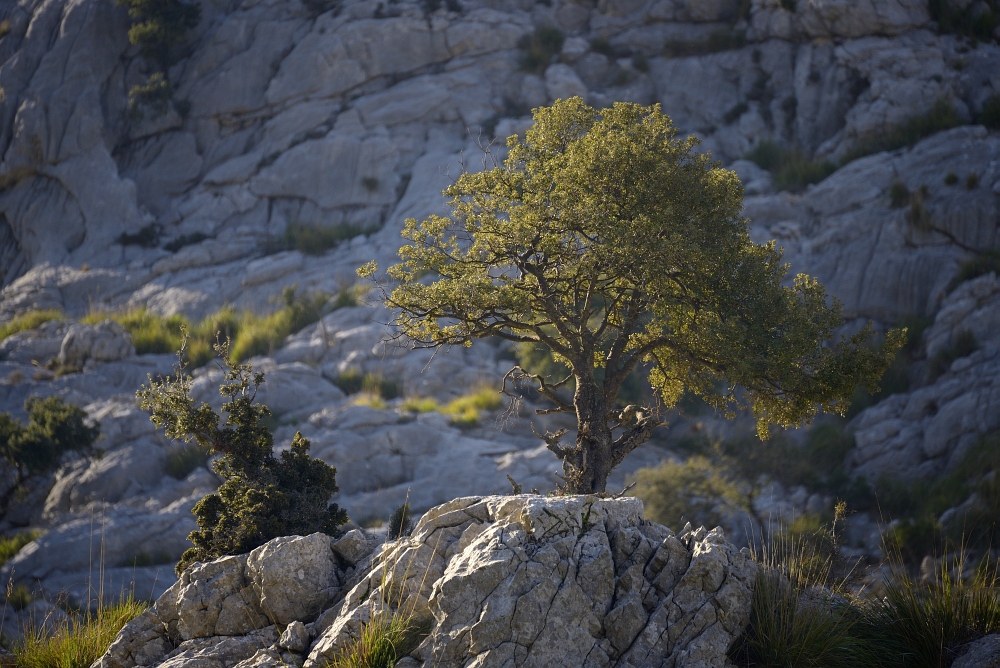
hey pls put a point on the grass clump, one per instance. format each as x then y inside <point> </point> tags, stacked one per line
<point>983,263</point>
<point>941,116</point>
<point>383,641</point>
<point>259,335</point>
<point>420,405</point>
<point>184,458</point>
<point>950,179</point>
<point>723,39</point>
<point>28,320</point>
<point>540,47</point>
<point>79,640</point>
<point>989,115</point>
<point>354,381</point>
<point>317,239</point>
<point>465,411</point>
<point>151,332</point>
<point>12,545</point>
<point>791,167</point>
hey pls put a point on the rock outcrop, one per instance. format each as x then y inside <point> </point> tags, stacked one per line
<point>496,581</point>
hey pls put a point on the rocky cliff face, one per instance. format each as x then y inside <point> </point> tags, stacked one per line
<point>522,580</point>
<point>355,115</point>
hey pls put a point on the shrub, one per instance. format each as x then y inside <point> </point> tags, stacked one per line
<point>78,641</point>
<point>316,239</point>
<point>147,236</point>
<point>29,320</point>
<point>262,497</point>
<point>989,115</point>
<point>951,179</point>
<point>154,95</point>
<point>539,48</point>
<point>184,458</point>
<point>12,545</point>
<point>723,39</point>
<point>941,116</point>
<point>160,24</point>
<point>694,491</point>
<point>791,168</point>
<point>972,181</point>
<point>400,522</point>
<point>54,428</point>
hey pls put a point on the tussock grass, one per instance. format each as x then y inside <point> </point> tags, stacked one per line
<point>317,239</point>
<point>420,405</point>
<point>13,544</point>
<point>353,381</point>
<point>941,116</point>
<point>790,166</point>
<point>78,640</point>
<point>383,641</point>
<point>29,320</point>
<point>465,411</point>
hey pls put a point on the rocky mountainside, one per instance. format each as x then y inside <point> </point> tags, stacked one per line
<point>351,116</point>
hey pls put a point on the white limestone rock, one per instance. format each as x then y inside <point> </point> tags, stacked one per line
<point>106,341</point>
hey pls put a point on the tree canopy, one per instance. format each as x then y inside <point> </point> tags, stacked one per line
<point>610,240</point>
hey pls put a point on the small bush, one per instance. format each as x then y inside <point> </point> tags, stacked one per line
<point>262,496</point>
<point>185,240</point>
<point>941,116</point>
<point>465,411</point>
<point>78,641</point>
<point>981,264</point>
<point>12,545</point>
<point>400,522</point>
<point>29,320</point>
<point>972,181</point>
<point>316,239</point>
<point>791,168</point>
<point>694,491</point>
<point>154,96</point>
<point>722,39</point>
<point>951,179</point>
<point>539,48</point>
<point>183,459</point>
<point>160,24</point>
<point>148,236</point>
<point>963,345</point>
<point>989,115</point>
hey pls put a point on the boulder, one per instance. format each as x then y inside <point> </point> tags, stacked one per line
<point>974,308</point>
<point>540,581</point>
<point>982,653</point>
<point>106,341</point>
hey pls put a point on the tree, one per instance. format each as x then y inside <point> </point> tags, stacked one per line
<point>262,497</point>
<point>611,241</point>
<point>54,428</point>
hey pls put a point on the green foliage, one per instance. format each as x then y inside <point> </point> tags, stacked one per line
<point>184,458</point>
<point>400,522</point>
<point>722,39</point>
<point>262,497</point>
<point>420,405</point>
<point>950,179</point>
<point>316,239</point>
<point>151,332</point>
<point>606,238</point>
<point>354,381</point>
<point>897,377</point>
<point>694,491</point>
<point>466,410</point>
<point>78,641</point>
<point>539,48</point>
<point>19,597</point>
<point>28,320</point>
<point>54,428</point>
<point>160,24</point>
<point>260,335</point>
<point>154,95</point>
<point>963,345</point>
<point>13,544</point>
<point>792,169</point>
<point>970,21</point>
<point>924,623</point>
<point>941,116</point>
<point>989,115</point>
<point>383,641</point>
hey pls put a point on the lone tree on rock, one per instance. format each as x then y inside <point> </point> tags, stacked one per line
<point>608,239</point>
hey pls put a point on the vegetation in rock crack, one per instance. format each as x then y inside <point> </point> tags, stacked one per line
<point>262,496</point>
<point>251,333</point>
<point>383,641</point>
<point>54,428</point>
<point>78,639</point>
<point>316,239</point>
<point>11,545</point>
<point>614,243</point>
<point>941,116</point>
<point>539,48</point>
<point>791,168</point>
<point>28,320</point>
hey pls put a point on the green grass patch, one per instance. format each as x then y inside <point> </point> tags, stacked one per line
<point>11,545</point>
<point>182,459</point>
<point>539,48</point>
<point>941,116</point>
<point>791,167</point>
<point>420,405</point>
<point>465,411</point>
<point>151,332</point>
<point>318,239</point>
<point>28,320</point>
<point>78,641</point>
<point>383,641</point>
<point>354,381</point>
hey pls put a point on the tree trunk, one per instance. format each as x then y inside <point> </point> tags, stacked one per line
<point>587,465</point>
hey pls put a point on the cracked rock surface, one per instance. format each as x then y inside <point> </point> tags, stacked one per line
<point>522,580</point>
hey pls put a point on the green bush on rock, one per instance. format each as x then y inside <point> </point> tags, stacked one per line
<point>263,496</point>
